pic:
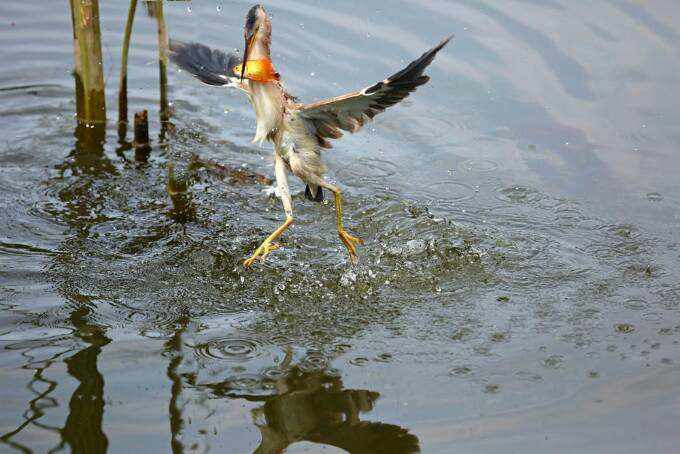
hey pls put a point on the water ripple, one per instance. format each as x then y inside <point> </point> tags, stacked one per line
<point>230,349</point>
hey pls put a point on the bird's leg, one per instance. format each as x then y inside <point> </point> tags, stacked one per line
<point>350,242</point>
<point>267,245</point>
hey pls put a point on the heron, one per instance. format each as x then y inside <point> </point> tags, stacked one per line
<point>299,132</point>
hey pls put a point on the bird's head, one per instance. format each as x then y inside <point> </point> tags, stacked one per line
<point>257,33</point>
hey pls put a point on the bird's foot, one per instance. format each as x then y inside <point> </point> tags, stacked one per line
<point>351,243</point>
<point>261,252</point>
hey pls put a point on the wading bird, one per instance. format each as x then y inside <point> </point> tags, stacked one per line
<point>299,132</point>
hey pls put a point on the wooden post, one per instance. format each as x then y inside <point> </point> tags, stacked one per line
<point>87,52</point>
<point>122,88</point>
<point>141,141</point>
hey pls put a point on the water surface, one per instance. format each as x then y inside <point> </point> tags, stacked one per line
<point>518,291</point>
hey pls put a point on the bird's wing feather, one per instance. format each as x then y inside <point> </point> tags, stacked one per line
<point>350,112</point>
<point>211,66</point>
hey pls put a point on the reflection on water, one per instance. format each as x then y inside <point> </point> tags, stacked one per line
<point>83,428</point>
<point>311,408</point>
<point>520,211</point>
<point>40,387</point>
<point>174,350</point>
<point>314,406</point>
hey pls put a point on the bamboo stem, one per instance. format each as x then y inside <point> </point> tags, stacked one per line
<point>87,52</point>
<point>122,88</point>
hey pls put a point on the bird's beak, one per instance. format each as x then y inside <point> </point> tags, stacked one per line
<point>246,51</point>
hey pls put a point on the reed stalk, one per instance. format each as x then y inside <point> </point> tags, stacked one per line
<point>162,64</point>
<point>87,53</point>
<point>122,88</point>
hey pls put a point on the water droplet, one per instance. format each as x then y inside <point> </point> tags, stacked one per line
<point>492,388</point>
<point>624,328</point>
<point>499,337</point>
<point>342,348</point>
<point>359,361</point>
<point>460,371</point>
<point>273,373</point>
<point>553,362</point>
<point>219,8</point>
<point>654,197</point>
<point>189,9</point>
<point>384,358</point>
<point>313,362</point>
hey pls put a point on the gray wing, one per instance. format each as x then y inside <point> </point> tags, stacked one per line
<point>351,111</point>
<point>211,66</point>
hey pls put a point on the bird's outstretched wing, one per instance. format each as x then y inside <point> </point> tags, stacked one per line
<point>211,66</point>
<point>350,112</point>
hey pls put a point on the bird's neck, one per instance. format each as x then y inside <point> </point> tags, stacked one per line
<point>268,102</point>
<point>259,48</point>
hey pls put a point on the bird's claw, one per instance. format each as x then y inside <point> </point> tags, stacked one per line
<point>261,252</point>
<point>351,243</point>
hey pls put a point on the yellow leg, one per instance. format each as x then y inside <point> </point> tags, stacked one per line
<point>267,246</point>
<point>348,240</point>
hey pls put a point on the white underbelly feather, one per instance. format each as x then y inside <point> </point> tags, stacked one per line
<point>267,103</point>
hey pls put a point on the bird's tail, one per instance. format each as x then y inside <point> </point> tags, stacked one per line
<point>211,66</point>
<point>314,193</point>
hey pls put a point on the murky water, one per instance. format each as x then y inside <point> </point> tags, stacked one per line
<point>519,288</point>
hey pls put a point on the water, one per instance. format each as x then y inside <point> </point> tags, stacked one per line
<point>518,291</point>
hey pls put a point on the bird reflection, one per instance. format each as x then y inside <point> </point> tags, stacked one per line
<point>313,406</point>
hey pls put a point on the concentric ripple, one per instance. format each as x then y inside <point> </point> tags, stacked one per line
<point>478,165</point>
<point>229,349</point>
<point>365,170</point>
<point>519,195</point>
<point>446,194</point>
<point>314,362</point>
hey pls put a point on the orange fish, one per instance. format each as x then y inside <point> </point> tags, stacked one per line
<point>258,70</point>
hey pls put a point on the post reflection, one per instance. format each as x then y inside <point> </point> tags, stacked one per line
<point>39,386</point>
<point>83,428</point>
<point>85,166</point>
<point>178,187</point>
<point>314,406</point>
<point>174,347</point>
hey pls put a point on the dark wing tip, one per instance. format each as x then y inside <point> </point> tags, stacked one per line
<point>444,42</point>
<point>211,66</point>
<point>415,69</point>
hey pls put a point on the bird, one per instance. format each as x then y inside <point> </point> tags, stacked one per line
<point>299,132</point>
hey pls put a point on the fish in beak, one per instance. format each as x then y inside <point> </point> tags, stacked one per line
<point>255,19</point>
